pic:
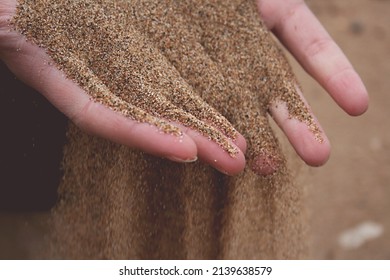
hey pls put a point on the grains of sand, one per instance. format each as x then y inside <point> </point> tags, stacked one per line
<point>171,60</point>
<point>205,64</point>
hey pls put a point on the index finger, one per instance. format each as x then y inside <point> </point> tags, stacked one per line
<point>304,36</point>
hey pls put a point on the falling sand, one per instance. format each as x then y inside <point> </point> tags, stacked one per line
<point>209,65</point>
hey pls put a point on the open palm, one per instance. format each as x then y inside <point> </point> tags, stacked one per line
<point>292,23</point>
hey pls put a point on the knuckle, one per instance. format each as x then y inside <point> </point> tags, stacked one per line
<point>318,46</point>
<point>80,117</point>
<point>6,14</point>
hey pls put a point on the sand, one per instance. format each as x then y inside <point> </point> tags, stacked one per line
<point>160,61</point>
<point>341,192</point>
<point>210,65</point>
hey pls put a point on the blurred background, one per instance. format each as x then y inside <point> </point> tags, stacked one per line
<point>348,199</point>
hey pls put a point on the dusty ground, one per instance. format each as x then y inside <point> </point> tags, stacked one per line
<point>354,187</point>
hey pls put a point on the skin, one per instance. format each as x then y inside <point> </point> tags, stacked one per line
<point>292,23</point>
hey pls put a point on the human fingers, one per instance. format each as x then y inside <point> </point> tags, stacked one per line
<point>33,66</point>
<point>182,47</point>
<point>250,54</point>
<point>186,55</point>
<point>211,153</point>
<point>303,35</point>
<point>134,92</point>
<point>189,146</point>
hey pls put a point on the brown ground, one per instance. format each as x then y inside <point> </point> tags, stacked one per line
<point>354,186</point>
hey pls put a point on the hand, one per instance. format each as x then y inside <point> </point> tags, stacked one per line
<point>234,52</point>
<point>33,66</point>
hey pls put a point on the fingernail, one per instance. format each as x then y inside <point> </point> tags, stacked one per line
<point>176,159</point>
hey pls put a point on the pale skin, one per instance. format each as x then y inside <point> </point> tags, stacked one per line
<point>290,20</point>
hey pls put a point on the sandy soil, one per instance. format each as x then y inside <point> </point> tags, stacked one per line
<point>353,188</point>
